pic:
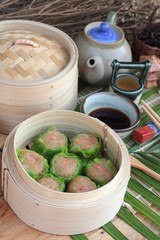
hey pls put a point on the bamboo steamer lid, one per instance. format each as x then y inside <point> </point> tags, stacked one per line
<point>75,212</point>
<point>27,56</point>
<point>38,71</point>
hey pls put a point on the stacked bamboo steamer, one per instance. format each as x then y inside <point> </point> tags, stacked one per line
<point>61,212</point>
<point>38,71</point>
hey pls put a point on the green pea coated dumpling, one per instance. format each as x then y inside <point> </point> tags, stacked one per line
<point>86,144</point>
<point>52,182</point>
<point>65,165</point>
<point>101,171</point>
<point>81,184</point>
<point>34,163</point>
<point>50,143</point>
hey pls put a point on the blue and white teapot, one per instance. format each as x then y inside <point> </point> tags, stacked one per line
<point>98,45</point>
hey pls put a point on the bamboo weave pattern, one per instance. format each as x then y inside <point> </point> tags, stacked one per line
<point>28,63</point>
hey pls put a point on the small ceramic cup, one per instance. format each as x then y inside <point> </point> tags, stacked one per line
<point>117,111</point>
<point>129,84</point>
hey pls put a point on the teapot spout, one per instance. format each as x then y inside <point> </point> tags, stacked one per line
<point>93,71</point>
<point>112,17</point>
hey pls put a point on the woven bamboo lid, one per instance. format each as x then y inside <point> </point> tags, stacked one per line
<point>29,56</point>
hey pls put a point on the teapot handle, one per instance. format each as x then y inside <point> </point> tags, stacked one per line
<point>112,17</point>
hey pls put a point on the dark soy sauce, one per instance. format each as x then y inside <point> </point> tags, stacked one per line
<point>112,117</point>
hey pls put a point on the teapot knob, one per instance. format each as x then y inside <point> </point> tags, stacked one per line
<point>104,27</point>
<point>104,33</point>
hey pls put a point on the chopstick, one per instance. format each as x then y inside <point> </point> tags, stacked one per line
<point>152,115</point>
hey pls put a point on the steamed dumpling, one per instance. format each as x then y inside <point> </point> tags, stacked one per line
<point>66,166</point>
<point>50,143</point>
<point>88,145</point>
<point>51,182</point>
<point>34,163</point>
<point>101,171</point>
<point>81,184</point>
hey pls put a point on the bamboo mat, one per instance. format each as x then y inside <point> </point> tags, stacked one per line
<point>12,228</point>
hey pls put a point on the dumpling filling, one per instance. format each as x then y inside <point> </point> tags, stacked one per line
<point>101,171</point>
<point>81,184</point>
<point>54,139</point>
<point>50,143</point>
<point>86,144</point>
<point>66,166</point>
<point>51,182</point>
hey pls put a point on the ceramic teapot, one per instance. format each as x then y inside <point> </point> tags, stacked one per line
<point>98,45</point>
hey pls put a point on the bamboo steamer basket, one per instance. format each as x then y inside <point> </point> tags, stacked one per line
<point>38,73</point>
<point>61,212</point>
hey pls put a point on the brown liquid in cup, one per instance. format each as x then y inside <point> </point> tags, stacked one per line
<point>127,83</point>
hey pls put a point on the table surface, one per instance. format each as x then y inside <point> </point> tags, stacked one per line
<point>12,228</point>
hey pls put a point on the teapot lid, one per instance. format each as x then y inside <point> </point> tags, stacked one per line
<point>104,33</point>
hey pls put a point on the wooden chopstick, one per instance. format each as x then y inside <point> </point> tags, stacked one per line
<point>151,110</point>
<point>152,115</point>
